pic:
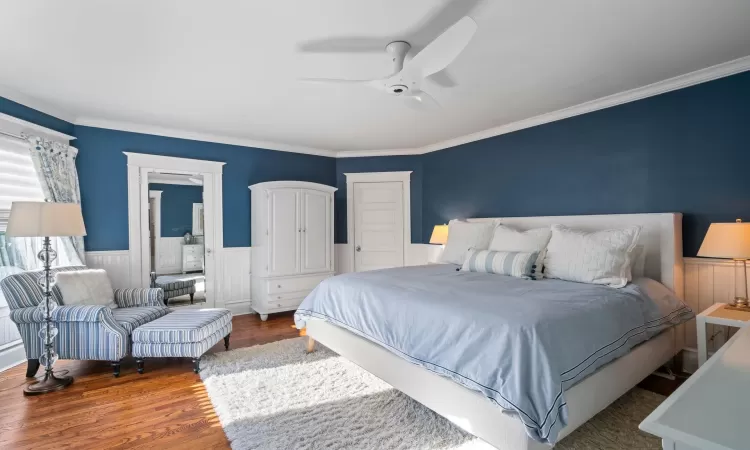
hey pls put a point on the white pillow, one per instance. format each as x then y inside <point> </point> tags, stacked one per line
<point>86,287</point>
<point>463,236</point>
<point>507,239</point>
<point>596,257</point>
<point>638,261</point>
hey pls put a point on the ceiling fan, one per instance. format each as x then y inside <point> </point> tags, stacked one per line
<point>408,77</point>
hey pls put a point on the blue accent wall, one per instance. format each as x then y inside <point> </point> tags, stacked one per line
<point>102,172</point>
<point>20,111</point>
<point>177,207</point>
<point>684,151</point>
<point>379,164</point>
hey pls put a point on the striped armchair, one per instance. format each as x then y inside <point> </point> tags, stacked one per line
<point>86,332</point>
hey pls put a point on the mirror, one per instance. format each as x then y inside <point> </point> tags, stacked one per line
<point>176,233</point>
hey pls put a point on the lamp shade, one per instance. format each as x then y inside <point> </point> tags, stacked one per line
<point>45,219</point>
<point>727,240</point>
<point>439,234</point>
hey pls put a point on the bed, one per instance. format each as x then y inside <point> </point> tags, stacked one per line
<point>465,403</point>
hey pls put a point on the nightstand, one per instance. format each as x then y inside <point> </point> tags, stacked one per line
<point>717,315</point>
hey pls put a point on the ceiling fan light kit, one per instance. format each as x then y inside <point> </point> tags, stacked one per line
<point>407,78</point>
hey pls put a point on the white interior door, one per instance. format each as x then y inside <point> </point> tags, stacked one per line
<point>284,230</point>
<point>316,231</point>
<point>378,225</point>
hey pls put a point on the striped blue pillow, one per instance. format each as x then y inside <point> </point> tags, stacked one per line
<point>514,264</point>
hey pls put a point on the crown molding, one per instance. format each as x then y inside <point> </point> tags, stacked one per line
<point>671,84</point>
<point>197,136</point>
<point>35,103</point>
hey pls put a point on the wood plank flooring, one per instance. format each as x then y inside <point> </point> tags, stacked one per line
<point>166,407</point>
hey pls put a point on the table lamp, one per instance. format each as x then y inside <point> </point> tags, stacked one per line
<point>439,235</point>
<point>731,241</point>
<point>46,219</point>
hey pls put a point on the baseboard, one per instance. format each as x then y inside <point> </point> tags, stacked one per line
<point>240,308</point>
<point>11,355</point>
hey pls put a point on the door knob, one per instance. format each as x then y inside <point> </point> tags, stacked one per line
<point>358,248</point>
<point>208,251</point>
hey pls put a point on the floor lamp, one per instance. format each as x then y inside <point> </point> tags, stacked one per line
<point>45,220</point>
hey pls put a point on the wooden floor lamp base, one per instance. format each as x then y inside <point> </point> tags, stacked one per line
<point>50,383</point>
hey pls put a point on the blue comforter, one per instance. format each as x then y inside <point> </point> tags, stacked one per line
<point>520,343</point>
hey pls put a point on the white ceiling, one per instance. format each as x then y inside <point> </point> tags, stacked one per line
<point>229,69</point>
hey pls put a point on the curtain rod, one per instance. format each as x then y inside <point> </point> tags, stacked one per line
<point>15,136</point>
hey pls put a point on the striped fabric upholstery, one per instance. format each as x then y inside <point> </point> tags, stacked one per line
<point>132,318</point>
<point>128,298</point>
<point>177,292</point>
<point>22,290</point>
<point>515,264</point>
<point>180,350</point>
<point>183,326</point>
<point>187,333</point>
<point>176,285</point>
<point>86,332</point>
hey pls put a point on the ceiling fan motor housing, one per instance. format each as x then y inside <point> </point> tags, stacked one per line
<point>398,89</point>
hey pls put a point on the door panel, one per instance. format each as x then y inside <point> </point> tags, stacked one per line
<point>283,231</point>
<point>316,236</point>
<point>378,225</point>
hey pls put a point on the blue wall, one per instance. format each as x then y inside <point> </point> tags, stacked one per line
<point>684,151</point>
<point>379,164</point>
<point>177,207</point>
<point>32,115</point>
<point>102,172</point>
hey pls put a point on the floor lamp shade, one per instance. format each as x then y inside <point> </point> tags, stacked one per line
<point>45,219</point>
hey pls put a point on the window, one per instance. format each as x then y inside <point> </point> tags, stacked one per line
<point>18,181</point>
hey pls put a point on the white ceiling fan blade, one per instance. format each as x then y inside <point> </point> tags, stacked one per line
<point>443,50</point>
<point>421,100</point>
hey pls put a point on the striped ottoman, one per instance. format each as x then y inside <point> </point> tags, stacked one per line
<point>187,333</point>
<point>173,289</point>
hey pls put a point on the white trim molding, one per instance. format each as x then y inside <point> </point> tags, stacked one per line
<point>203,137</point>
<point>14,125</point>
<point>379,177</point>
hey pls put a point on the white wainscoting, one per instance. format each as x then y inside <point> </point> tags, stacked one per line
<point>707,281</point>
<point>235,279</point>
<point>169,255</point>
<point>116,263</point>
<point>11,346</point>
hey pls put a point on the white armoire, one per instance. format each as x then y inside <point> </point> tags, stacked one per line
<point>292,242</point>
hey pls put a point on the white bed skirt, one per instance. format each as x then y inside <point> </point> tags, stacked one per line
<point>472,411</point>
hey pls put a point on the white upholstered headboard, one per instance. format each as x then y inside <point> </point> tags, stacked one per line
<point>661,237</point>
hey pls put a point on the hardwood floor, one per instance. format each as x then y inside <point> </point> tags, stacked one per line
<point>166,407</point>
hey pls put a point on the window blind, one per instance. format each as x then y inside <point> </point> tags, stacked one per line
<point>18,179</point>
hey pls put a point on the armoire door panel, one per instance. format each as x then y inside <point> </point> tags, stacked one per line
<point>316,226</point>
<point>283,232</point>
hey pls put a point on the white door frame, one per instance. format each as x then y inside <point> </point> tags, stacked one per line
<point>378,177</point>
<point>156,195</point>
<point>139,165</point>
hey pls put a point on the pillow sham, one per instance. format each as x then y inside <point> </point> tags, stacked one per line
<point>508,239</point>
<point>514,264</point>
<point>595,257</point>
<point>463,236</point>
<point>86,287</point>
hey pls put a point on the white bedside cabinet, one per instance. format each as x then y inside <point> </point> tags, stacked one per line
<point>717,314</point>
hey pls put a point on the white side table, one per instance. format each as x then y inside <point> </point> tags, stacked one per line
<point>717,315</point>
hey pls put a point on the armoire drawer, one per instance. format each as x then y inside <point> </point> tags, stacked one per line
<point>297,284</point>
<point>284,300</point>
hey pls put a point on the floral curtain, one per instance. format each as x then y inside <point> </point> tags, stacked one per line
<point>56,167</point>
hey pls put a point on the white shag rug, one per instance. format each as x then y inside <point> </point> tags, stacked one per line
<point>277,396</point>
